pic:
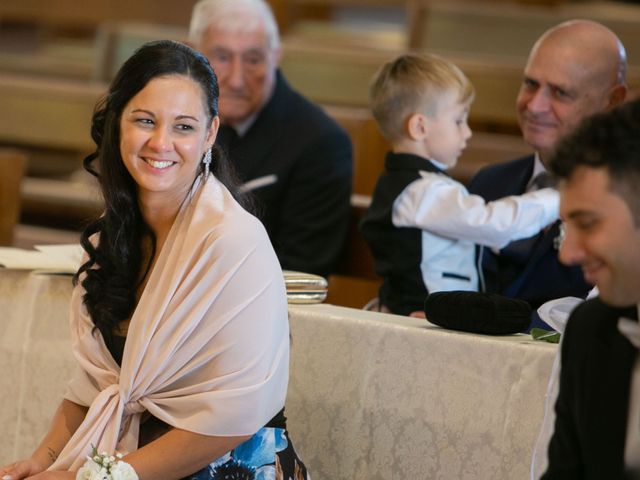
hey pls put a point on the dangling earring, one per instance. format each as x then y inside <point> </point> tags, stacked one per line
<point>207,161</point>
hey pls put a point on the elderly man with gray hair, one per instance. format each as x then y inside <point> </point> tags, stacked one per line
<point>290,154</point>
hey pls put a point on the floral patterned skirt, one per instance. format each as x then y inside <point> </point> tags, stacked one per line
<point>268,455</point>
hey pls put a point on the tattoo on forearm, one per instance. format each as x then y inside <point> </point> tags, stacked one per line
<point>52,454</point>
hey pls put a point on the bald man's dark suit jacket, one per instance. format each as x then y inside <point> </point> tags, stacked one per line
<point>306,210</point>
<point>593,401</point>
<point>531,271</point>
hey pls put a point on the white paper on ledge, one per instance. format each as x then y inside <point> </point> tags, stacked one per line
<point>46,259</point>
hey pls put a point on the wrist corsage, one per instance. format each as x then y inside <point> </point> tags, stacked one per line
<point>102,466</point>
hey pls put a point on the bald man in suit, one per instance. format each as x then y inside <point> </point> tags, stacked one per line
<point>575,70</point>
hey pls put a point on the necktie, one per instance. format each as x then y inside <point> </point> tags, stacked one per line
<point>543,180</point>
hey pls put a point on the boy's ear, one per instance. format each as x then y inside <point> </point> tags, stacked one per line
<point>417,126</point>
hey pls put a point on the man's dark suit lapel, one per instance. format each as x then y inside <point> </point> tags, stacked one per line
<point>520,178</point>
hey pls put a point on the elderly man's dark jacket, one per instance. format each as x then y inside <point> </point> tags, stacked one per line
<point>306,210</point>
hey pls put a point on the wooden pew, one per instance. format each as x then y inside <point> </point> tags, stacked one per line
<point>366,35</point>
<point>289,13</point>
<point>89,13</point>
<point>116,42</point>
<point>398,3</point>
<point>12,166</point>
<point>341,76</point>
<point>29,236</point>
<point>356,282</point>
<point>55,114</point>
<point>95,55</point>
<point>37,49</point>
<point>42,63</point>
<point>61,203</point>
<point>475,27</point>
<point>50,113</point>
<point>369,146</point>
<point>510,30</point>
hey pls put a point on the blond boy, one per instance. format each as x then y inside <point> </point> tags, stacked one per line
<point>423,225</point>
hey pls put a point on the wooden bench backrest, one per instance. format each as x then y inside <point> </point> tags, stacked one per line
<point>355,282</point>
<point>116,42</point>
<point>369,146</point>
<point>89,13</point>
<point>47,113</point>
<point>510,30</point>
<point>505,30</point>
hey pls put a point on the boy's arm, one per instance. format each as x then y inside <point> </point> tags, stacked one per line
<point>444,207</point>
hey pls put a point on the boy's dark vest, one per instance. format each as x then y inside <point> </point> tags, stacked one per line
<point>397,251</point>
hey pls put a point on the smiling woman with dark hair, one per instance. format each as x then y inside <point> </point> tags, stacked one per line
<point>179,314</point>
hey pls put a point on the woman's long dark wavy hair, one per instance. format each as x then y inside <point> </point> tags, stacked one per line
<point>117,263</point>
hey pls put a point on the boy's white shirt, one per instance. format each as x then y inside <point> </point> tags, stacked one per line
<point>453,221</point>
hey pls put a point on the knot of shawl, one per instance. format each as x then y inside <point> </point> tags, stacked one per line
<point>133,407</point>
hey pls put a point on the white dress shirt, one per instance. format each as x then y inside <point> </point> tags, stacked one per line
<point>453,221</point>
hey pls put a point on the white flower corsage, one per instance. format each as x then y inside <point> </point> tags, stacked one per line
<point>102,466</point>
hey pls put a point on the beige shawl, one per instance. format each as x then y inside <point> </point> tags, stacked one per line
<point>208,345</point>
